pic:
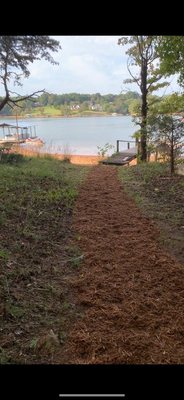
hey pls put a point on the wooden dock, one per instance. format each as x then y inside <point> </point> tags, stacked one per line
<point>121,158</point>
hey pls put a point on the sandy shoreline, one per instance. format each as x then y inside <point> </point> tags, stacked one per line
<point>81,159</point>
<point>74,159</point>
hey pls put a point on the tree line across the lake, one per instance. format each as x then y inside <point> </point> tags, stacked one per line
<point>76,103</point>
<point>129,103</point>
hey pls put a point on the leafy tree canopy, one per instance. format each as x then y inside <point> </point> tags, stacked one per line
<point>16,53</point>
<point>168,129</point>
<point>171,53</point>
<point>143,54</point>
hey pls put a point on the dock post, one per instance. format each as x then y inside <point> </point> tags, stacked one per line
<point>117,146</point>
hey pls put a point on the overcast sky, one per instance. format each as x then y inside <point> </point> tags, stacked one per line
<point>87,64</point>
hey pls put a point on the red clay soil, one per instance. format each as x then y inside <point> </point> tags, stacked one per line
<point>129,291</point>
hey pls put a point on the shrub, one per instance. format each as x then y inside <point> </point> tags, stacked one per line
<point>11,158</point>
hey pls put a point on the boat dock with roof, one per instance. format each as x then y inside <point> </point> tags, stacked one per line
<point>15,134</point>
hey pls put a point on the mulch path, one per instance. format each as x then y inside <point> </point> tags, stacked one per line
<point>129,292</point>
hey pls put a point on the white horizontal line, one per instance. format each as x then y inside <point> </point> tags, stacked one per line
<point>92,395</point>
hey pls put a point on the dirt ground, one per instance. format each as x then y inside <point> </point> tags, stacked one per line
<point>128,291</point>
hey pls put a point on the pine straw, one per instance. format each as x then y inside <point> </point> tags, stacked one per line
<point>129,291</point>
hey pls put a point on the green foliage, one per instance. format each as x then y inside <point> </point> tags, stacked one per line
<point>135,107</point>
<point>167,105</point>
<point>149,171</point>
<point>33,343</point>
<point>55,104</point>
<point>36,200</point>
<point>142,53</point>
<point>126,103</point>
<point>137,134</point>
<point>36,191</point>
<point>162,199</point>
<point>11,158</point>
<point>16,54</point>
<point>4,254</point>
<point>103,151</point>
<point>4,357</point>
<point>14,311</point>
<point>171,52</point>
<point>75,257</point>
<point>168,130</point>
<point>61,194</point>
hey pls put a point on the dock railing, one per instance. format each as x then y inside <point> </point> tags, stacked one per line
<point>125,141</point>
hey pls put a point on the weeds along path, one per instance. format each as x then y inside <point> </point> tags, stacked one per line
<point>129,292</point>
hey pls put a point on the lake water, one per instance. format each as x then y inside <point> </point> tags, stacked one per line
<point>80,135</point>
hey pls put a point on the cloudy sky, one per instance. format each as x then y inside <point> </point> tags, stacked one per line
<point>87,64</point>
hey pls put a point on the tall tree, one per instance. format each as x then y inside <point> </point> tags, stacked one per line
<point>168,130</point>
<point>142,54</point>
<point>16,53</point>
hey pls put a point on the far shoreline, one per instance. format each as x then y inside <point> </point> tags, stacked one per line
<point>63,116</point>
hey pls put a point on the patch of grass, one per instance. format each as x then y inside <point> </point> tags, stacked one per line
<point>66,194</point>
<point>33,343</point>
<point>4,357</point>
<point>140,178</point>
<point>75,256</point>
<point>2,219</point>
<point>138,199</point>
<point>76,261</point>
<point>12,158</point>
<point>4,254</point>
<point>37,197</point>
<point>62,337</point>
<point>160,197</point>
<point>65,305</point>
<point>149,171</point>
<point>14,311</point>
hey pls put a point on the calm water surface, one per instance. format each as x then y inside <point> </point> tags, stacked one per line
<point>80,135</point>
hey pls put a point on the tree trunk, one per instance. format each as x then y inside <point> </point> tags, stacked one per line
<point>3,102</point>
<point>172,155</point>
<point>144,110</point>
<point>143,155</point>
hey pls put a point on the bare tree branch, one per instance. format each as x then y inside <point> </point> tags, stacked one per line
<point>134,78</point>
<point>9,100</point>
<point>16,53</point>
<point>28,96</point>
